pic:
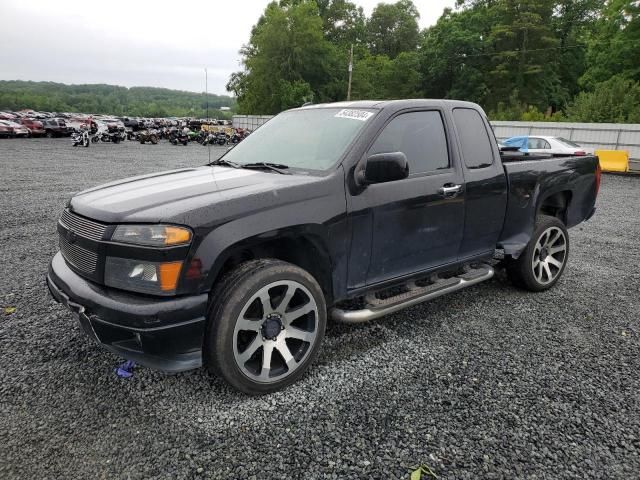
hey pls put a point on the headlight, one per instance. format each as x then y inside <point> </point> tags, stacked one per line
<point>152,235</point>
<point>159,278</point>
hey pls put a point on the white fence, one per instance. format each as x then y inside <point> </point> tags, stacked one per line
<point>250,122</point>
<point>605,136</point>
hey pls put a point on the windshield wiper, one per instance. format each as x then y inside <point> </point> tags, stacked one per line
<point>276,167</point>
<point>228,163</point>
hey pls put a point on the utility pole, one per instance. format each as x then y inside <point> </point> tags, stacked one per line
<point>206,90</point>
<point>350,73</point>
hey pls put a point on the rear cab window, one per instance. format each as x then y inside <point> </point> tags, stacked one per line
<point>474,138</point>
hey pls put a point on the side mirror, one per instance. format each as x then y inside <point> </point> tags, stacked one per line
<point>384,167</point>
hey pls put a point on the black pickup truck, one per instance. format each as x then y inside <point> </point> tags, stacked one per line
<point>348,210</point>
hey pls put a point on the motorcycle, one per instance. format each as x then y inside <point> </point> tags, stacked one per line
<point>114,134</point>
<point>80,137</point>
<point>113,137</point>
<point>209,139</point>
<point>148,136</point>
<point>238,135</point>
<point>179,136</point>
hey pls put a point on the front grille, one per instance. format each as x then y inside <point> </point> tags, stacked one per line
<point>80,258</point>
<point>82,226</point>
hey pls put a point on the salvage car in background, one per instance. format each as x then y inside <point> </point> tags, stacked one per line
<point>5,129</point>
<point>56,127</point>
<point>12,129</point>
<point>19,130</point>
<point>547,144</point>
<point>35,126</point>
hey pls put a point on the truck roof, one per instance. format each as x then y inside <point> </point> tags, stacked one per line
<point>408,103</point>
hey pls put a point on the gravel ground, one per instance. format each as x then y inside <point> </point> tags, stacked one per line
<point>489,382</point>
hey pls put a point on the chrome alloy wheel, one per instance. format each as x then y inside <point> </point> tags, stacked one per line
<point>275,331</point>
<point>549,255</point>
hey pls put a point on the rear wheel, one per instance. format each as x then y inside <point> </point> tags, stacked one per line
<point>542,263</point>
<point>265,326</point>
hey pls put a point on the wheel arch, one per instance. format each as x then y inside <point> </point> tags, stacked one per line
<point>304,246</point>
<point>555,205</point>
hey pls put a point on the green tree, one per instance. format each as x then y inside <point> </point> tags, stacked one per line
<point>615,100</point>
<point>344,23</point>
<point>286,61</point>
<point>523,40</point>
<point>455,57</point>
<point>613,49</point>
<point>573,23</point>
<point>393,28</point>
<point>109,99</point>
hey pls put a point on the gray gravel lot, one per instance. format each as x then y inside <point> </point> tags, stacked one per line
<point>489,382</point>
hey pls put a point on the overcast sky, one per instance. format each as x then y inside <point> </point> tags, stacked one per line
<point>137,42</point>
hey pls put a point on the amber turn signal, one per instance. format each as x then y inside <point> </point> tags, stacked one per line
<point>168,274</point>
<point>176,235</point>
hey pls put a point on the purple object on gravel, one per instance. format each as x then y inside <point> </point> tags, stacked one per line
<point>126,369</point>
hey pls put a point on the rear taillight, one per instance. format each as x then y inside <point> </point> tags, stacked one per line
<point>580,153</point>
<point>598,175</point>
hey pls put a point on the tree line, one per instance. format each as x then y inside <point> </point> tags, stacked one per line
<point>528,59</point>
<point>111,100</point>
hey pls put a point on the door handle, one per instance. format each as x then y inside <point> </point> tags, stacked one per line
<point>450,190</point>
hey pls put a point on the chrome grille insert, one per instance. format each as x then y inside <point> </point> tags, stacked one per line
<point>81,258</point>
<point>82,226</point>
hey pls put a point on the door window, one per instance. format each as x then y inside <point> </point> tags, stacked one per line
<point>420,136</point>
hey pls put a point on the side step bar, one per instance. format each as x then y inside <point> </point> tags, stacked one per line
<point>379,308</point>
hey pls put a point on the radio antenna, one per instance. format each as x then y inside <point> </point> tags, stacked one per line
<point>206,93</point>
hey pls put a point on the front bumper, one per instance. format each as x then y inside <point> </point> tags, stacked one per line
<point>160,333</point>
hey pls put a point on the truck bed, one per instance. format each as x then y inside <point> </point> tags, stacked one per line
<point>565,184</point>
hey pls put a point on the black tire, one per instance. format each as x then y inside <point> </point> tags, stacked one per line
<point>154,139</point>
<point>230,297</point>
<point>141,141</point>
<point>529,271</point>
<point>49,134</point>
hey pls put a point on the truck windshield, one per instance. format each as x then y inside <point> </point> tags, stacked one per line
<point>308,139</point>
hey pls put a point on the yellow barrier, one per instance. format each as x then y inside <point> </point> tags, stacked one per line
<point>613,160</point>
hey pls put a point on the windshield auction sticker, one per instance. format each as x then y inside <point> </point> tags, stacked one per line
<point>361,115</point>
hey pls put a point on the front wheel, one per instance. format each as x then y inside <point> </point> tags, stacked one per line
<point>542,263</point>
<point>265,326</point>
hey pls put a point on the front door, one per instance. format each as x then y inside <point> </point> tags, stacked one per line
<point>417,223</point>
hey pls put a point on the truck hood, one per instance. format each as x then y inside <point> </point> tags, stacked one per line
<point>171,196</point>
